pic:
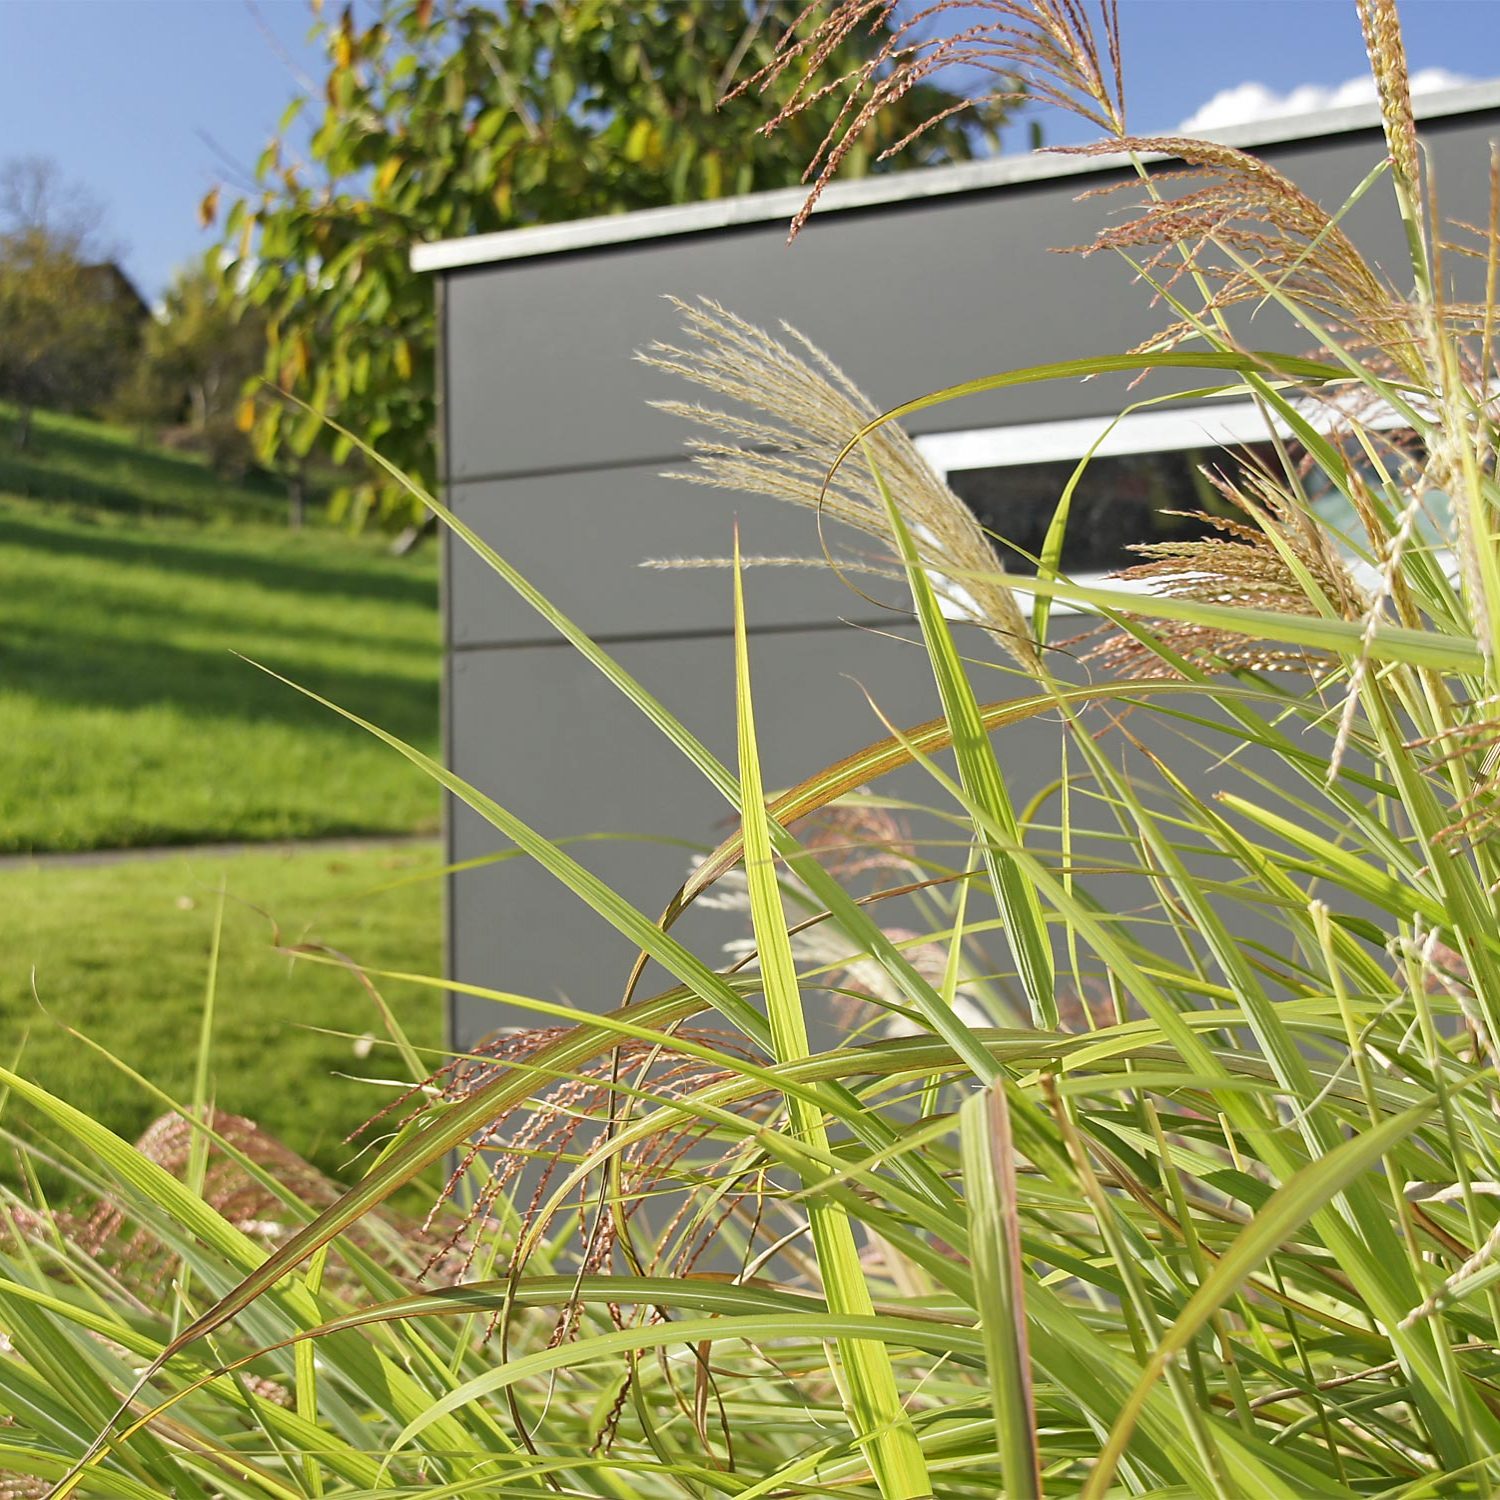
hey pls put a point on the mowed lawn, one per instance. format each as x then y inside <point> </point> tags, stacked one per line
<point>120,953</point>
<point>129,579</point>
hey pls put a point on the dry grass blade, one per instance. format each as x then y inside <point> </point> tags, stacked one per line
<point>804,408</point>
<point>1234,224</point>
<point>1048,50</point>
<point>1381,24</point>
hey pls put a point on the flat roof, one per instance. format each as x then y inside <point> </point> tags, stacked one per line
<point>901,187</point>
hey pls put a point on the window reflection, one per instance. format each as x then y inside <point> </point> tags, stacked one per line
<point>1121,500</point>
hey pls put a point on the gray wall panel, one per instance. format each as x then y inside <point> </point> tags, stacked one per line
<point>541,731</point>
<point>872,297</point>
<point>906,298</point>
<point>581,539</point>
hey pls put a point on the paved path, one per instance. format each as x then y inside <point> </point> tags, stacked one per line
<point>88,857</point>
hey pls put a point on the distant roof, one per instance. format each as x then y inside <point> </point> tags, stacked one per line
<point>122,288</point>
<point>900,187</point>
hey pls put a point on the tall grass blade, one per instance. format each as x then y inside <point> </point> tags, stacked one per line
<point>979,771</point>
<point>999,1282</point>
<point>1287,1209</point>
<point>880,1421</point>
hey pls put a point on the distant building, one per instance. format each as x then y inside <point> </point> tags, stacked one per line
<point>118,291</point>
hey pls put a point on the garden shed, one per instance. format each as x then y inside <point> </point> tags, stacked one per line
<point>551,452</point>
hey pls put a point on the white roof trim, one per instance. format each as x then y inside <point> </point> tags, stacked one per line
<point>898,187</point>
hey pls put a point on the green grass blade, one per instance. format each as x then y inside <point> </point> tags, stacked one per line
<point>587,886</point>
<point>1390,643</point>
<point>262,1274</point>
<point>979,772</point>
<point>1288,1208</point>
<point>995,1236</point>
<point>1260,361</point>
<point>895,1457</point>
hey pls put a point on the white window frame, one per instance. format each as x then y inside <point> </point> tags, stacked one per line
<point>1205,424</point>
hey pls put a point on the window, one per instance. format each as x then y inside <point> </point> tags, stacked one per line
<point>1143,473</point>
<point>1145,468</point>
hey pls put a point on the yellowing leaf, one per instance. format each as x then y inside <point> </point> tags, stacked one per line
<point>343,41</point>
<point>638,142</point>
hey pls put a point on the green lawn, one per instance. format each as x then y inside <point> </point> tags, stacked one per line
<point>78,463</point>
<point>121,953</point>
<point>128,578</point>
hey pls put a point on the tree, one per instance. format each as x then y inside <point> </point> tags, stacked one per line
<point>69,321</point>
<point>208,339</point>
<point>196,357</point>
<point>446,119</point>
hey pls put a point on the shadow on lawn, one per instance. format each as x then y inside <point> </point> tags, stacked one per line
<point>220,556</point>
<point>87,668</point>
<point>67,463</point>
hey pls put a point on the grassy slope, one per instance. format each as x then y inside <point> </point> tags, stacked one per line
<point>121,952</point>
<point>128,576</point>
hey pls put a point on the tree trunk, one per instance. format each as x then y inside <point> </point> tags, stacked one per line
<point>296,499</point>
<point>23,430</point>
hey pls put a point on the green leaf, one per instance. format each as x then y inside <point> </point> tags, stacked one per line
<point>979,772</point>
<point>1390,643</point>
<point>1287,1209</point>
<point>989,1161</point>
<point>880,1421</point>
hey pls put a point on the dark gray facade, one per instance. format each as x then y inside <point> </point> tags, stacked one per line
<point>553,455</point>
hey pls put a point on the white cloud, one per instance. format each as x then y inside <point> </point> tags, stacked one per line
<point>1246,102</point>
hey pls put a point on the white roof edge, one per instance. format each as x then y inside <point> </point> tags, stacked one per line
<point>899,187</point>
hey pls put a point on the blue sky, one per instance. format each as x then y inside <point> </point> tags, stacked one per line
<point>149,103</point>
